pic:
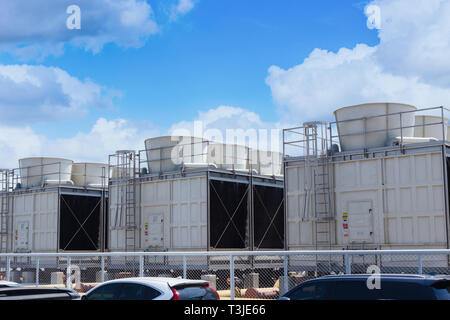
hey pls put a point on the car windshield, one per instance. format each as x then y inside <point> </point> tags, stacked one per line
<point>196,292</point>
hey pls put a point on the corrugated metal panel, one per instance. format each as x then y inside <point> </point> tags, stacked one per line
<point>299,232</point>
<point>390,201</point>
<point>189,213</point>
<point>172,215</point>
<point>415,202</point>
<point>39,211</point>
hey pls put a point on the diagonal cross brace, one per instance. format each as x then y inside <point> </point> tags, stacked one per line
<point>80,224</point>
<point>272,219</point>
<point>230,216</point>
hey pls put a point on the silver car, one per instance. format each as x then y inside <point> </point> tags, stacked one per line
<point>152,288</point>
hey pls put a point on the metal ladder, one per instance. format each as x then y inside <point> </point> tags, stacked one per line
<point>318,171</point>
<point>322,208</point>
<point>126,204</point>
<point>4,208</point>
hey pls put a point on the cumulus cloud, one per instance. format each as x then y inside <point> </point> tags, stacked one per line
<point>409,65</point>
<point>30,94</point>
<point>415,39</point>
<point>35,29</point>
<point>232,125</point>
<point>181,8</point>
<point>104,138</point>
<point>107,136</point>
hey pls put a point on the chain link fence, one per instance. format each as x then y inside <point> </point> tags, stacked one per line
<point>235,275</point>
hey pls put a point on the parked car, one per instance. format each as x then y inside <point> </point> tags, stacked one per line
<point>354,287</point>
<point>37,293</point>
<point>152,288</point>
<point>8,284</point>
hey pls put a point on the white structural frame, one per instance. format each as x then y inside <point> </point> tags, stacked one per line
<point>294,139</point>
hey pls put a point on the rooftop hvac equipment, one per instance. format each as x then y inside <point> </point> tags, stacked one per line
<point>373,125</point>
<point>90,174</point>
<point>430,126</point>
<point>38,171</point>
<point>168,153</point>
<point>228,156</point>
<point>122,164</point>
<point>266,162</point>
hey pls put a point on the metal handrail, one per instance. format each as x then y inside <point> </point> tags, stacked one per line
<point>228,253</point>
<point>297,131</point>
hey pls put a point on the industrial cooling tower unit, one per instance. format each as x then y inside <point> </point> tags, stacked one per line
<point>375,178</point>
<point>54,205</point>
<point>195,195</point>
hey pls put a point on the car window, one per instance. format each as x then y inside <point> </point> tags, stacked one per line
<point>196,292</point>
<point>133,291</point>
<point>311,291</point>
<point>105,292</point>
<point>210,294</point>
<point>354,290</point>
<point>396,290</point>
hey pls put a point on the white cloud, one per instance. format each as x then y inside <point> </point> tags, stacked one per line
<point>105,137</point>
<point>35,29</point>
<point>34,93</point>
<point>415,39</point>
<point>409,65</point>
<point>232,125</point>
<point>181,8</point>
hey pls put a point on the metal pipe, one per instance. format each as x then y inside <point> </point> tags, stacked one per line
<point>8,268</point>
<point>102,271</point>
<point>419,264</point>
<point>234,253</point>
<point>37,271</point>
<point>68,272</point>
<point>348,268</point>
<point>232,285</point>
<point>285,274</point>
<point>141,266</point>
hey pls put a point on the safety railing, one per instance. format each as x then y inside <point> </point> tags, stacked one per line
<point>234,274</point>
<point>55,173</point>
<point>398,126</point>
<point>192,153</point>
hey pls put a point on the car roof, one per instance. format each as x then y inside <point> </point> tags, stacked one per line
<point>389,276</point>
<point>426,279</point>
<point>33,288</point>
<point>152,280</point>
<point>4,283</point>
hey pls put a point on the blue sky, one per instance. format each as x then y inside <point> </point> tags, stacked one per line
<point>143,67</point>
<point>217,54</point>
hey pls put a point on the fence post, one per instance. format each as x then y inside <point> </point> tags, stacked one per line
<point>8,267</point>
<point>231,277</point>
<point>102,271</point>
<point>419,264</point>
<point>141,266</point>
<point>348,268</point>
<point>68,273</point>
<point>184,267</point>
<point>37,271</point>
<point>285,274</point>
